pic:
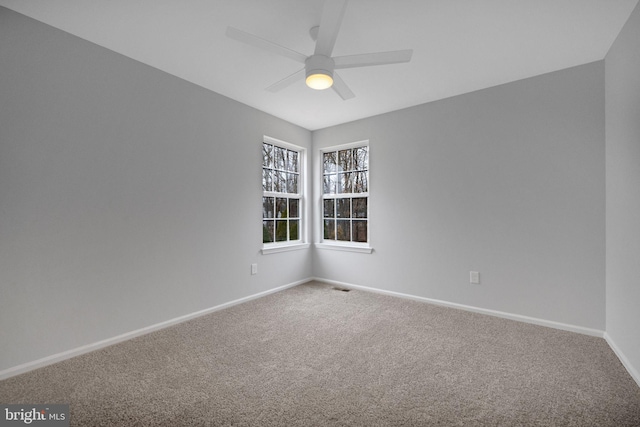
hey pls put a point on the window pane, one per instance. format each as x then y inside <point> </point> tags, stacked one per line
<point>280,157</point>
<point>294,208</point>
<point>345,181</point>
<point>361,158</point>
<point>293,161</point>
<point>281,207</point>
<point>329,229</point>
<point>267,207</point>
<point>267,155</point>
<point>281,231</point>
<point>329,184</point>
<point>267,179</point>
<point>292,183</point>
<point>360,231</point>
<point>280,182</point>
<point>359,206</point>
<point>329,162</point>
<point>293,230</point>
<point>267,232</point>
<point>345,160</point>
<point>343,230</point>
<point>359,182</point>
<point>329,208</point>
<point>343,208</point>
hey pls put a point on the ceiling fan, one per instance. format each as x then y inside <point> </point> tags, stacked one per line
<point>319,68</point>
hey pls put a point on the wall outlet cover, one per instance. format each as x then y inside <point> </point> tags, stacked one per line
<point>474,277</point>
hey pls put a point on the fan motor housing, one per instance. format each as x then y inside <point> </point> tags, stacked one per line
<point>319,64</point>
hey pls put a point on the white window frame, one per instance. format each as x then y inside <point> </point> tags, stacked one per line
<point>350,246</point>
<point>301,242</point>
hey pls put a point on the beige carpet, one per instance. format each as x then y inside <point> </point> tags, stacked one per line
<point>316,356</point>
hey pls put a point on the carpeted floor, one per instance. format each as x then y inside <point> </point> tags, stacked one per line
<point>316,356</point>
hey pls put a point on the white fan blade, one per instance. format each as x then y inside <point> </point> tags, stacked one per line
<point>287,81</point>
<point>368,59</point>
<point>341,87</point>
<point>250,39</point>
<point>332,14</point>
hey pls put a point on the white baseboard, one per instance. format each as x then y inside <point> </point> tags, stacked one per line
<point>49,360</point>
<point>623,359</point>
<point>511,316</point>
<point>548,323</point>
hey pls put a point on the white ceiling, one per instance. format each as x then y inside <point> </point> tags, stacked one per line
<point>459,45</point>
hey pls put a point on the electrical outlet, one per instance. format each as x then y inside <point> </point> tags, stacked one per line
<point>474,277</point>
<point>254,269</point>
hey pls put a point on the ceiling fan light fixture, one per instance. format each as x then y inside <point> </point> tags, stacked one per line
<point>319,81</point>
<point>319,72</point>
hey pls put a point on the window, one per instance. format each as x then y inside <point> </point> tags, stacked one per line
<point>281,192</point>
<point>345,194</point>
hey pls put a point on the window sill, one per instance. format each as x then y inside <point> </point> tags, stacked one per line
<point>348,248</point>
<point>284,248</point>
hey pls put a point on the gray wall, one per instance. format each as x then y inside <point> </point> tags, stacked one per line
<point>124,200</point>
<point>623,191</point>
<point>508,181</point>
